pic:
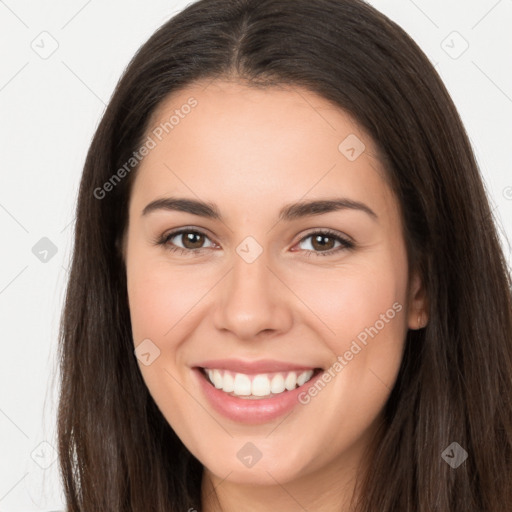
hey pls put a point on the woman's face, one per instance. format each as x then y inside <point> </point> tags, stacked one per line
<point>255,278</point>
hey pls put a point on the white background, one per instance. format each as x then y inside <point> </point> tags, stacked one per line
<point>49,109</point>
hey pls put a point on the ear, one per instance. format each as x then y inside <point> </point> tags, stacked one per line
<point>417,303</point>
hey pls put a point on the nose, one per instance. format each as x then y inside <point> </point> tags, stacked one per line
<point>252,300</point>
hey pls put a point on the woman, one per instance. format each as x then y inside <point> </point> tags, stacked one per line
<point>211,359</point>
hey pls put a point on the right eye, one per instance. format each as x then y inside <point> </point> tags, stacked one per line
<point>191,241</point>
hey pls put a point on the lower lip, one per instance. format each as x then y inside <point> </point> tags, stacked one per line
<point>252,411</point>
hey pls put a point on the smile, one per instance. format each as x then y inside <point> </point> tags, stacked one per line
<point>256,397</point>
<point>257,386</point>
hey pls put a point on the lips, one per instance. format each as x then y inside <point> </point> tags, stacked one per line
<point>254,392</point>
<point>250,409</point>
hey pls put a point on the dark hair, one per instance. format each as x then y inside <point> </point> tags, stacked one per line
<point>117,451</point>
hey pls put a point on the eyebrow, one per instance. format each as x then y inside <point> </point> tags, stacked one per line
<point>289,212</point>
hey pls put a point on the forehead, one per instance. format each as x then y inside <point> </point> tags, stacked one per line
<point>250,144</point>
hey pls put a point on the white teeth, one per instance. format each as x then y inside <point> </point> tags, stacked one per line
<point>304,377</point>
<point>291,381</point>
<point>242,384</point>
<point>229,383</point>
<point>217,379</point>
<point>277,384</point>
<point>261,385</point>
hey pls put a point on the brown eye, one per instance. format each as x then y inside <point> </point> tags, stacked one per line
<point>186,240</point>
<point>192,240</point>
<point>325,243</point>
<point>322,242</point>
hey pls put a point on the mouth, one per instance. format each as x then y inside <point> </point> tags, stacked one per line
<point>247,395</point>
<point>257,386</point>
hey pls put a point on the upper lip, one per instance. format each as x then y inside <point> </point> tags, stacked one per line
<point>259,366</point>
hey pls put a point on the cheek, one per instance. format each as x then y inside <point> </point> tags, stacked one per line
<point>162,310</point>
<point>346,301</point>
<point>360,308</point>
<point>160,296</point>
<point>152,304</point>
<point>364,310</point>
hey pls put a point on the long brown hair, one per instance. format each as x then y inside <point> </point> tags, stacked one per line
<point>117,452</point>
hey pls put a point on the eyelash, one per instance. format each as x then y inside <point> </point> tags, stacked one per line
<point>345,243</point>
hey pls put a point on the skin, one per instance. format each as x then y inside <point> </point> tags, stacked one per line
<point>251,151</point>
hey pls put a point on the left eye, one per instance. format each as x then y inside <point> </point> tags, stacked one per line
<point>323,243</point>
